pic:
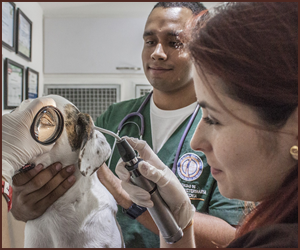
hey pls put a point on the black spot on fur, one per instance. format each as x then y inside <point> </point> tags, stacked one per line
<point>79,126</point>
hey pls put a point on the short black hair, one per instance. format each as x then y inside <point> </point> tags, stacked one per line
<point>195,7</point>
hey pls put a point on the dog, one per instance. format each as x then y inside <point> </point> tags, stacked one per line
<point>85,216</point>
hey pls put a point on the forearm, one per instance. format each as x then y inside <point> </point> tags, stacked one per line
<point>146,220</point>
<point>113,185</point>
<point>211,232</point>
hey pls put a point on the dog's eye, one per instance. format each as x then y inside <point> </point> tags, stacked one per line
<point>46,121</point>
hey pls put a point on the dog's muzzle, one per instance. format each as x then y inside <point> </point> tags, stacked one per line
<point>47,125</point>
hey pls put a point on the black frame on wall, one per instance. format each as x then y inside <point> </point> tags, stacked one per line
<point>12,46</point>
<point>7,71</point>
<point>20,34</point>
<point>27,93</point>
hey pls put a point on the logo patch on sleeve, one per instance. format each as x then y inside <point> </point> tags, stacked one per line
<point>189,167</point>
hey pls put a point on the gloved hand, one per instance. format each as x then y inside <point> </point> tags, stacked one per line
<point>18,147</point>
<point>168,185</point>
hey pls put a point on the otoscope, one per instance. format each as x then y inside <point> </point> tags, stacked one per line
<point>160,211</point>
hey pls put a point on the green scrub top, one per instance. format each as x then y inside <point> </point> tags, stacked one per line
<point>192,171</point>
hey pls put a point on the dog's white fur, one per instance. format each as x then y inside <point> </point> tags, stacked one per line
<point>85,216</point>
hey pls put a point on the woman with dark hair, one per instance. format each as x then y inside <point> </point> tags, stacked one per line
<point>246,80</point>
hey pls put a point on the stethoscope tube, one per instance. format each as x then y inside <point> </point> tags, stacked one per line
<point>184,136</point>
<point>137,113</point>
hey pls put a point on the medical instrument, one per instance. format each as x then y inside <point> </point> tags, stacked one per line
<point>160,211</point>
<point>47,125</point>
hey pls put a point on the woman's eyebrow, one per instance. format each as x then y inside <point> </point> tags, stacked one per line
<point>204,104</point>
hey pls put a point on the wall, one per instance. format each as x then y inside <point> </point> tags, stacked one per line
<point>92,45</point>
<point>88,50</point>
<point>35,13</point>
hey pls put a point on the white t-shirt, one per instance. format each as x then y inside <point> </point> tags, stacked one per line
<point>165,122</point>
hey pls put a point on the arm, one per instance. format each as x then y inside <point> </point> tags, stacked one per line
<point>211,231</point>
<point>206,232</point>
<point>207,228</point>
<point>33,191</point>
<point>113,185</point>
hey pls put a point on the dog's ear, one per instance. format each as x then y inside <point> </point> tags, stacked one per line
<point>94,150</point>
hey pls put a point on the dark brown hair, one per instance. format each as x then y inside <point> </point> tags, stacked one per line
<point>253,48</point>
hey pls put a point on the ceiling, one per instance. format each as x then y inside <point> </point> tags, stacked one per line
<point>101,9</point>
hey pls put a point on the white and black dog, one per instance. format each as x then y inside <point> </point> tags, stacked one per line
<point>85,216</point>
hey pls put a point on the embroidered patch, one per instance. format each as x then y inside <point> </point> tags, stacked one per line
<point>189,167</point>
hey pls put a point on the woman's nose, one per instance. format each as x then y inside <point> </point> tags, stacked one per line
<point>159,53</point>
<point>199,141</point>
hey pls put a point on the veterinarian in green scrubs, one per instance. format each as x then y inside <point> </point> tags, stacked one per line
<point>168,68</point>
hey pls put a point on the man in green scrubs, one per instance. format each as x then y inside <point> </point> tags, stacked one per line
<point>169,70</point>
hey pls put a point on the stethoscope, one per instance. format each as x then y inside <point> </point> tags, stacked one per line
<point>142,129</point>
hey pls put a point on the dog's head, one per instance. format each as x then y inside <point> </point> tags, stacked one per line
<point>79,143</point>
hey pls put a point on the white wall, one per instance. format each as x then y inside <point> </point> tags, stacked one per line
<point>35,13</point>
<point>88,51</point>
<point>92,45</point>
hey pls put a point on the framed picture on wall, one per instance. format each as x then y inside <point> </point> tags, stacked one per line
<point>24,35</point>
<point>9,25</point>
<point>32,84</point>
<point>13,84</point>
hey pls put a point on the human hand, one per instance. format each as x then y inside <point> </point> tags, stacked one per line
<point>18,146</point>
<point>37,189</point>
<point>113,185</point>
<point>168,185</point>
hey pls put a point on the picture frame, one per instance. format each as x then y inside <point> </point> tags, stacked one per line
<point>32,84</point>
<point>9,25</point>
<point>13,84</point>
<point>24,36</point>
